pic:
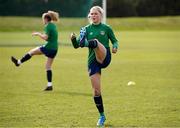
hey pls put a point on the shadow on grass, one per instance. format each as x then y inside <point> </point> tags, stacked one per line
<point>76,94</point>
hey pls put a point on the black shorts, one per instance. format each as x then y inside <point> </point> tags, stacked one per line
<point>48,52</point>
<point>95,66</point>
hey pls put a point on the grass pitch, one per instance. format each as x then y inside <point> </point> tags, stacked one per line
<point>66,24</point>
<point>150,58</point>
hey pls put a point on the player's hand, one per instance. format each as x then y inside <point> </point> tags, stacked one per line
<point>35,33</point>
<point>73,36</point>
<point>114,50</point>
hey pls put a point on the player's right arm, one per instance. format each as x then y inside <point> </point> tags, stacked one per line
<point>41,35</point>
<point>74,40</point>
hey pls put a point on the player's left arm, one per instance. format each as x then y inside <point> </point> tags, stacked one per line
<point>113,39</point>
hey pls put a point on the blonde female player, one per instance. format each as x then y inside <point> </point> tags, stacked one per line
<point>96,37</point>
<point>49,49</point>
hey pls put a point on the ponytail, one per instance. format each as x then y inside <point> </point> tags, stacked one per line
<point>54,15</point>
<point>51,15</point>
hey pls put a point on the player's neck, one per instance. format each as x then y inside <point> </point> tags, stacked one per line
<point>97,23</point>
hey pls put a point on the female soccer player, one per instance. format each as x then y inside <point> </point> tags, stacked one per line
<point>49,49</point>
<point>96,37</point>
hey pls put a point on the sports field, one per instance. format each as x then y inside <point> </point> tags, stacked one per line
<point>149,56</point>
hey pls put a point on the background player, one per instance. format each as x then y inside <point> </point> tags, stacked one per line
<point>49,49</point>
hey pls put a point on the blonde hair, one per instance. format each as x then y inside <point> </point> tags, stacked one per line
<point>54,16</point>
<point>99,9</point>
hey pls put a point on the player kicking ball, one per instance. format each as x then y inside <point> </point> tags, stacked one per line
<point>96,36</point>
<point>49,49</point>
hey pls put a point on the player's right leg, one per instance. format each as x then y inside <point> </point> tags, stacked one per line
<point>27,56</point>
<point>100,52</point>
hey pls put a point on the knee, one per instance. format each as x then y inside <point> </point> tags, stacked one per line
<point>97,41</point>
<point>30,53</point>
<point>101,60</point>
<point>97,92</point>
<point>48,67</point>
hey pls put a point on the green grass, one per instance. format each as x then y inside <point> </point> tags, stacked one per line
<point>145,23</point>
<point>74,24</point>
<point>150,58</point>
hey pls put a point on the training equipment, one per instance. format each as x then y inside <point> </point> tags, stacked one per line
<point>131,83</point>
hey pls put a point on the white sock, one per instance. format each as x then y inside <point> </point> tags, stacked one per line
<point>19,62</point>
<point>49,84</point>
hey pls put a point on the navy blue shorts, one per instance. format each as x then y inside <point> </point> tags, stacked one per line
<point>48,52</point>
<point>95,66</point>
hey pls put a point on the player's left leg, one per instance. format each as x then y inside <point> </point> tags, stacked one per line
<point>96,85</point>
<point>49,74</point>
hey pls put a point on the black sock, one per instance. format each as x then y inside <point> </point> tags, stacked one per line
<point>99,103</point>
<point>92,44</point>
<point>49,75</point>
<point>25,57</point>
